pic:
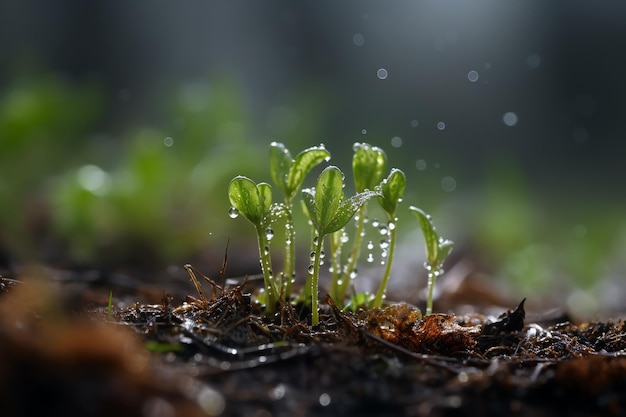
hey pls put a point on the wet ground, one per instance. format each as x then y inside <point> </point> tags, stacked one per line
<point>214,353</point>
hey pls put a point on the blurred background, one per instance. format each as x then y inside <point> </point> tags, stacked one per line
<point>121,124</point>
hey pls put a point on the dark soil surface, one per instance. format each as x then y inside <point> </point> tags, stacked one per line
<point>64,354</point>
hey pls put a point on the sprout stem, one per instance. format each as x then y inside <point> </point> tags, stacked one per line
<point>266,266</point>
<point>378,301</point>
<point>340,293</point>
<point>315,315</point>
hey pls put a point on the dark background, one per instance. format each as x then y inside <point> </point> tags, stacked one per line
<point>541,200</point>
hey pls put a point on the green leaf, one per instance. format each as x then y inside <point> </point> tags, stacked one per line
<point>445,247</point>
<point>304,163</point>
<point>392,189</point>
<point>347,209</point>
<point>328,197</point>
<point>430,235</point>
<point>250,200</point>
<point>280,164</point>
<point>265,192</point>
<point>368,166</point>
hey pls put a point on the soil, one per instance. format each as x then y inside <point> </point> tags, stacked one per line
<point>64,353</point>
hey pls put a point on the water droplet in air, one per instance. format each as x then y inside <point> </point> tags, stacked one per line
<point>168,141</point>
<point>510,119</point>
<point>420,165</point>
<point>472,76</point>
<point>396,141</point>
<point>233,212</point>
<point>448,184</point>
<point>441,125</point>
<point>269,233</point>
<point>364,131</point>
<point>414,123</point>
<point>358,39</point>
<point>382,73</point>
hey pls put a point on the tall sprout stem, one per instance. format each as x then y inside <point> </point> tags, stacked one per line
<point>266,266</point>
<point>354,257</point>
<point>290,254</point>
<point>380,295</point>
<point>315,314</point>
<point>432,277</point>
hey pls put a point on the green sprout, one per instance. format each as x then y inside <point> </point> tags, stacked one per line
<point>368,167</point>
<point>437,250</point>
<point>329,211</point>
<point>254,202</point>
<point>288,174</point>
<point>392,190</point>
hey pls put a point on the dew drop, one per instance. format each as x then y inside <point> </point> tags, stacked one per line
<point>266,250</point>
<point>383,230</point>
<point>269,233</point>
<point>370,258</point>
<point>322,254</point>
<point>233,212</point>
<point>375,223</point>
<point>391,225</point>
<point>354,274</point>
<point>370,245</point>
<point>364,131</point>
<point>384,244</point>
<point>344,237</point>
<point>312,256</point>
<point>311,269</point>
<point>316,240</point>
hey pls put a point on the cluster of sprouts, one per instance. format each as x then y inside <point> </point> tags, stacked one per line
<point>329,211</point>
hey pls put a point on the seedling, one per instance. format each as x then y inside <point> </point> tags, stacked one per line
<point>437,250</point>
<point>368,167</point>
<point>329,211</point>
<point>392,190</point>
<point>254,202</point>
<point>288,174</point>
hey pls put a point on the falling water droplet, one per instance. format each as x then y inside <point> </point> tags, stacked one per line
<point>233,212</point>
<point>269,233</point>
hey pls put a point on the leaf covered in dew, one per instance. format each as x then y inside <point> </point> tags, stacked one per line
<point>305,161</point>
<point>288,174</point>
<point>328,197</point>
<point>280,164</point>
<point>368,166</point>
<point>445,247</point>
<point>392,189</point>
<point>348,208</point>
<point>251,200</point>
<point>430,235</point>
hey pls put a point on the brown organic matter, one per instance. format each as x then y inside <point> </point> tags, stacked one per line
<point>222,356</point>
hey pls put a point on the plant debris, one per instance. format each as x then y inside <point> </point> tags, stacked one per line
<point>388,361</point>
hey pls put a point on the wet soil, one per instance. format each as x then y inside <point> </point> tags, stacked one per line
<point>64,353</point>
